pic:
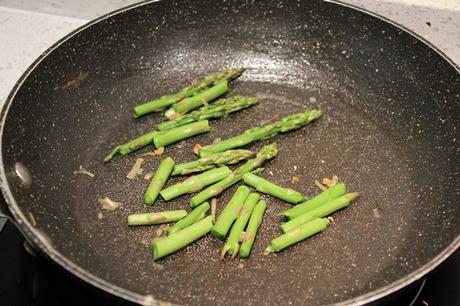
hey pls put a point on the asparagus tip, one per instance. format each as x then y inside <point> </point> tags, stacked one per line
<point>112,154</point>
<point>353,195</point>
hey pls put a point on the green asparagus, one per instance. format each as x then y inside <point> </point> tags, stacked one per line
<point>224,158</point>
<point>319,212</point>
<point>164,138</point>
<point>264,186</point>
<point>306,230</point>
<point>267,152</point>
<point>156,218</point>
<point>131,146</point>
<point>195,183</point>
<point>251,230</point>
<point>168,100</point>
<point>286,124</point>
<point>218,109</point>
<point>230,213</point>
<point>232,244</point>
<point>328,195</point>
<point>158,180</point>
<point>196,215</point>
<point>174,242</point>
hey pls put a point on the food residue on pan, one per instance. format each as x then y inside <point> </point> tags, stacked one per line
<point>83,171</point>
<point>148,176</point>
<point>159,151</point>
<point>196,148</point>
<point>320,186</point>
<point>32,219</point>
<point>376,213</point>
<point>76,82</point>
<point>295,179</point>
<point>136,169</point>
<point>108,204</point>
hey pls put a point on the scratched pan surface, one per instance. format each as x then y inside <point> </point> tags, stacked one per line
<point>390,130</point>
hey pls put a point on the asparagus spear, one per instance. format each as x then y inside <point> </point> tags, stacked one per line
<point>319,212</point>
<point>164,138</point>
<point>224,158</point>
<point>132,145</point>
<point>267,152</point>
<point>190,103</point>
<point>251,230</point>
<point>168,100</point>
<point>174,242</point>
<point>156,218</point>
<point>218,109</point>
<point>328,195</point>
<point>264,186</point>
<point>232,244</point>
<point>230,213</point>
<point>306,230</point>
<point>195,183</point>
<point>196,215</point>
<point>159,180</point>
<point>286,124</point>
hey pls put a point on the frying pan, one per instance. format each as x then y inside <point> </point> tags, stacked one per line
<point>390,130</point>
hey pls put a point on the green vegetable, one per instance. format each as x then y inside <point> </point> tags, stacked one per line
<point>156,218</point>
<point>224,158</point>
<point>304,231</point>
<point>230,213</point>
<point>286,124</point>
<point>319,212</point>
<point>251,230</point>
<point>196,215</point>
<point>329,194</point>
<point>232,244</point>
<point>158,180</point>
<point>131,146</point>
<point>195,183</point>
<point>267,152</point>
<point>164,138</point>
<point>264,186</point>
<point>174,242</point>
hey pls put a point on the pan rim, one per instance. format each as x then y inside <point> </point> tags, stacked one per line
<point>40,241</point>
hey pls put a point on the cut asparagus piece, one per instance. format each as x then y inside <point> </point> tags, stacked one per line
<point>164,138</point>
<point>230,213</point>
<point>190,103</point>
<point>251,230</point>
<point>174,242</point>
<point>328,195</point>
<point>196,215</point>
<point>132,145</point>
<point>286,124</point>
<point>267,152</point>
<point>218,109</point>
<point>156,218</point>
<point>168,100</point>
<point>224,158</point>
<point>306,230</point>
<point>158,180</point>
<point>232,245</point>
<point>195,183</point>
<point>319,212</point>
<point>264,186</point>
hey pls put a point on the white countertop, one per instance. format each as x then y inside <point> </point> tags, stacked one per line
<point>27,28</point>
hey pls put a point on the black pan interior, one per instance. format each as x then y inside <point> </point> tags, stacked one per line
<point>390,131</point>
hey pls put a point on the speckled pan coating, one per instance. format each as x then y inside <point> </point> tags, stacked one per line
<point>390,131</point>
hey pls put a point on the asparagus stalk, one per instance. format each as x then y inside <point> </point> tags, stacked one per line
<point>232,244</point>
<point>174,242</point>
<point>158,180</point>
<point>230,213</point>
<point>168,100</point>
<point>195,183</point>
<point>286,124</point>
<point>218,109</point>
<point>164,138</point>
<point>251,230</point>
<point>306,230</point>
<point>156,218</point>
<point>196,215</point>
<point>319,212</point>
<point>132,145</point>
<point>267,152</point>
<point>264,186</point>
<point>328,195</point>
<point>190,103</point>
<point>224,158</point>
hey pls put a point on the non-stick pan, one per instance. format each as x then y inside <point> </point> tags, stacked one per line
<point>390,130</point>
